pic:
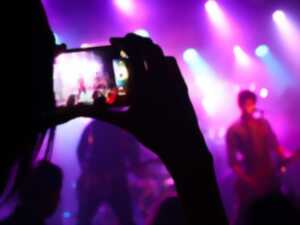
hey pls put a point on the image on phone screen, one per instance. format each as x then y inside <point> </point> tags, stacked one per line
<point>87,75</point>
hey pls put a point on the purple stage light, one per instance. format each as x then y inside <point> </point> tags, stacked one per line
<point>218,17</point>
<point>279,17</point>
<point>285,26</point>
<point>126,6</point>
<point>289,33</point>
<point>241,56</point>
<point>214,11</point>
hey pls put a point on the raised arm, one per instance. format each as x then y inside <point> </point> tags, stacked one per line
<point>161,116</point>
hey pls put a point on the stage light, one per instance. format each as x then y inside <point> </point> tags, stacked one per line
<point>286,27</point>
<point>125,6</point>
<point>214,11</point>
<point>290,35</point>
<point>262,50</point>
<point>206,79</point>
<point>264,92</point>
<point>209,105</point>
<point>142,33</point>
<point>212,6</point>
<point>279,72</point>
<point>217,17</point>
<point>279,16</point>
<point>240,55</point>
<point>66,214</point>
<point>190,55</point>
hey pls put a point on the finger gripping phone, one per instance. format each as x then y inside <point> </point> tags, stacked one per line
<point>88,75</point>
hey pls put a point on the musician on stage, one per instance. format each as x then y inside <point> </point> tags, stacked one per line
<point>104,153</point>
<point>250,143</point>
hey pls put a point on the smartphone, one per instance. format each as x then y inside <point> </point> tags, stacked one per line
<point>88,74</point>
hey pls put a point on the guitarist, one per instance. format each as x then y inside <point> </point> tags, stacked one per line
<point>250,142</point>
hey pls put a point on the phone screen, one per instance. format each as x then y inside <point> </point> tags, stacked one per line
<point>85,75</point>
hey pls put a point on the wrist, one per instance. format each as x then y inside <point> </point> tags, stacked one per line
<point>190,151</point>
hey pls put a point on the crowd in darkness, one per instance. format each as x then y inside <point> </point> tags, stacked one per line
<point>164,121</point>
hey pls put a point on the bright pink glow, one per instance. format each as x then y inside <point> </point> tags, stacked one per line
<point>264,92</point>
<point>169,182</point>
<point>252,87</point>
<point>213,101</point>
<point>236,88</point>
<point>221,132</point>
<point>126,6</point>
<point>217,16</point>
<point>209,105</point>
<point>211,133</point>
<point>241,57</point>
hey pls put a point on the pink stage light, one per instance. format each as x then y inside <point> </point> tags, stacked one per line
<point>217,16</point>
<point>215,12</point>
<point>215,95</point>
<point>221,133</point>
<point>279,17</point>
<point>264,92</point>
<point>126,6</point>
<point>241,56</point>
<point>283,23</point>
<point>289,33</point>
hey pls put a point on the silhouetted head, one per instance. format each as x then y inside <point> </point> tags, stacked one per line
<point>42,57</point>
<point>247,102</point>
<point>169,212</point>
<point>41,191</point>
<point>273,209</point>
<point>38,99</point>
